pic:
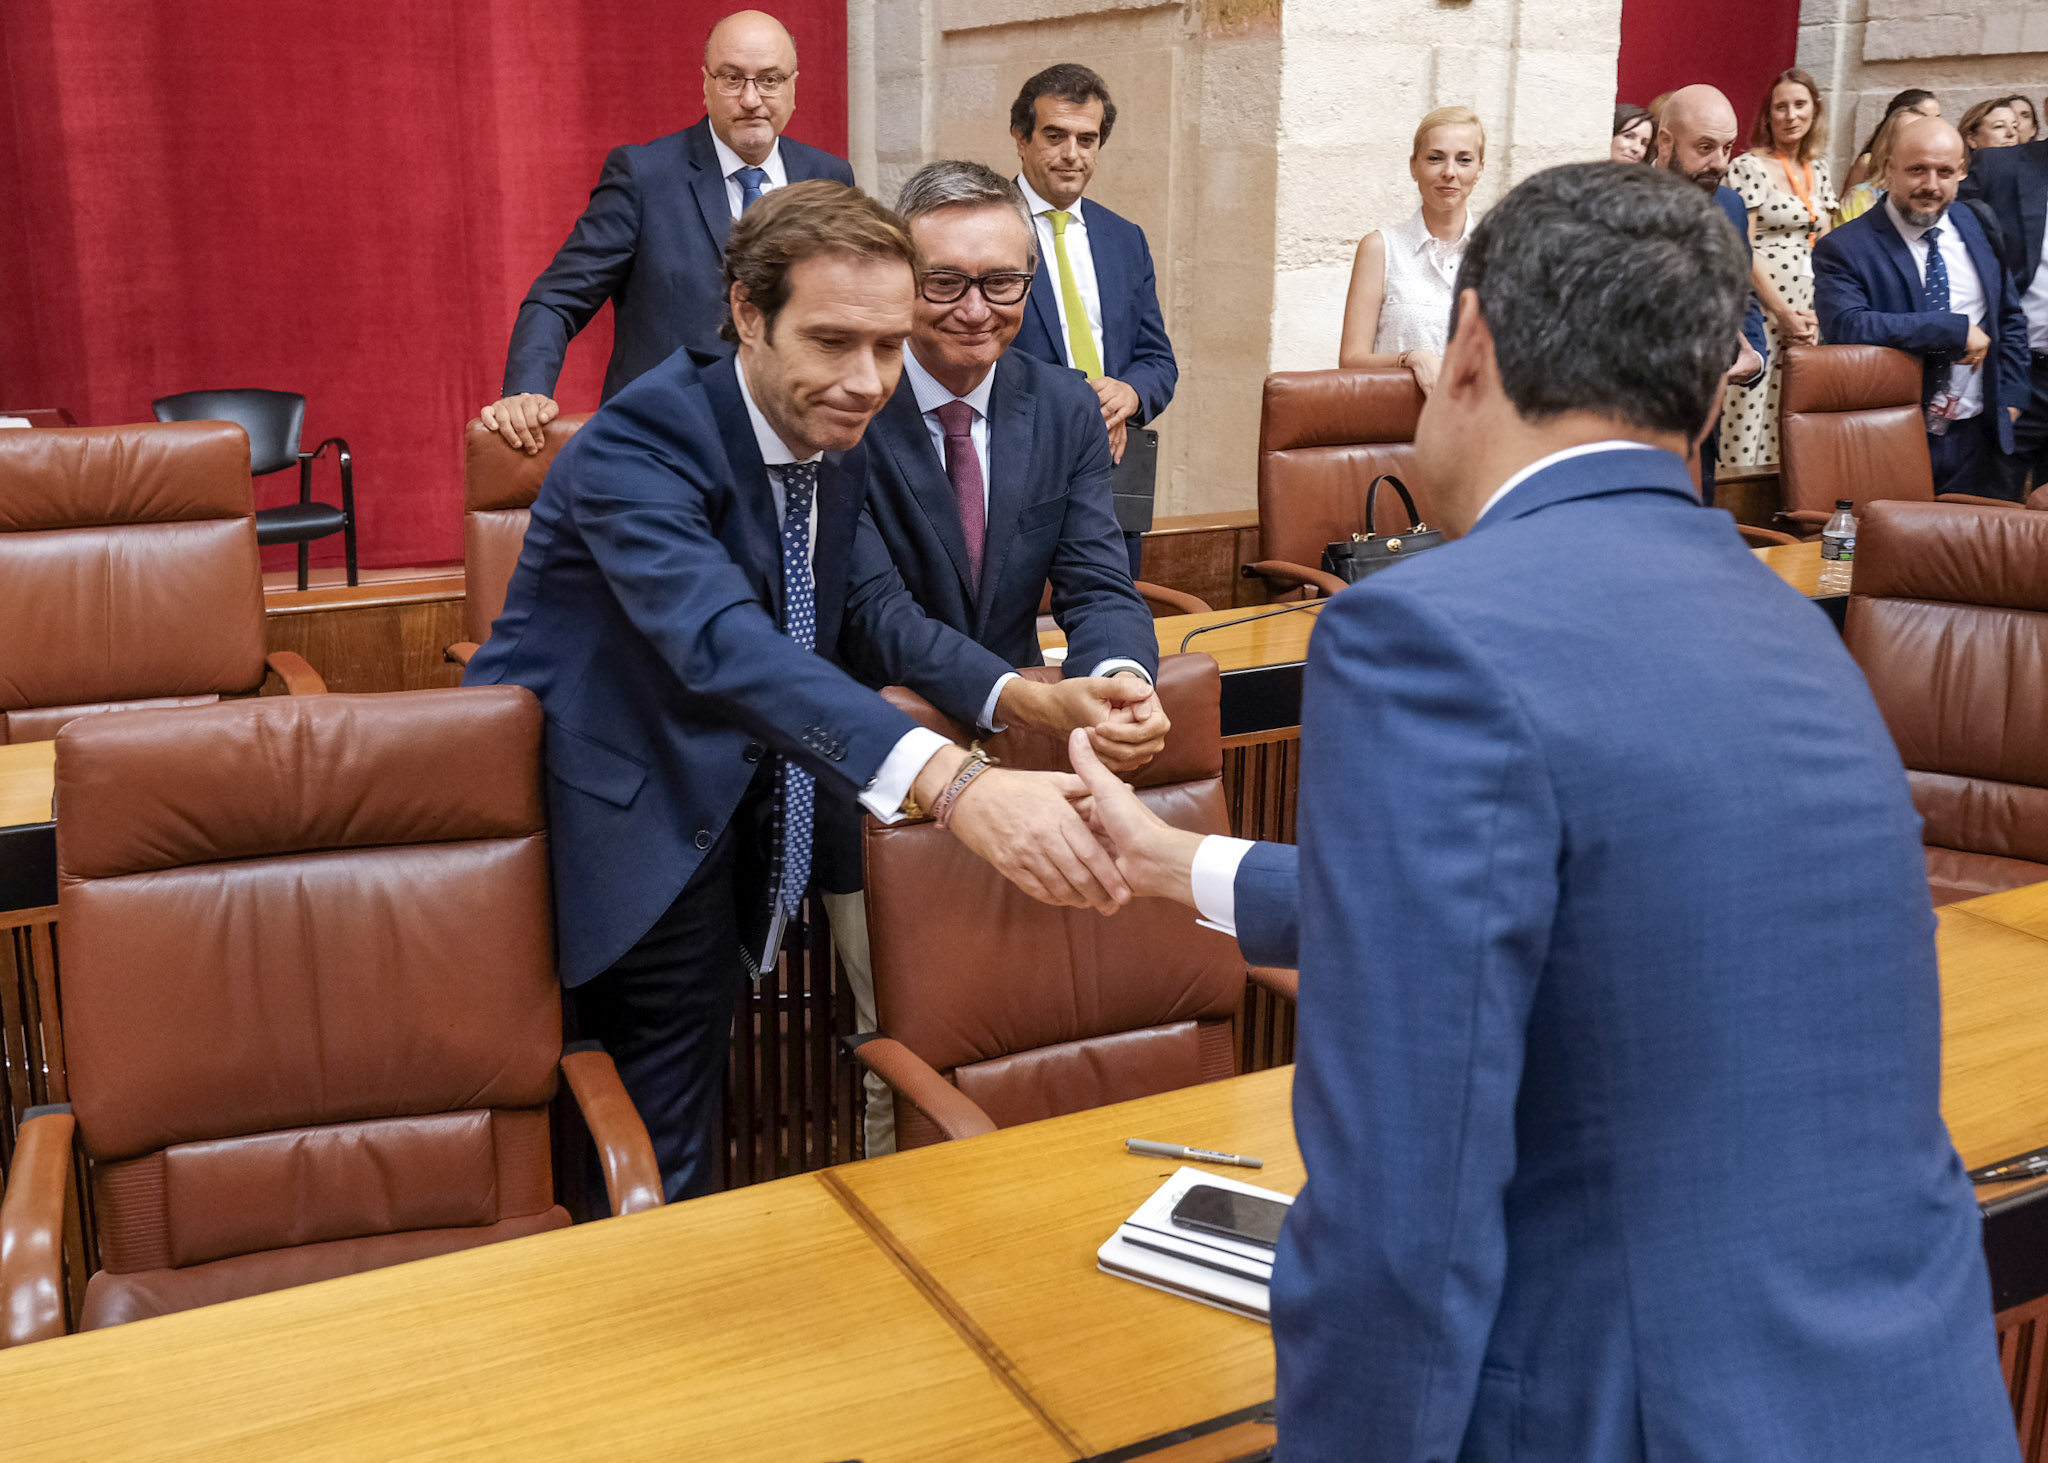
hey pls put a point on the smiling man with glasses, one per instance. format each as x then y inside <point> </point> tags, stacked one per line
<point>988,480</point>
<point>654,233</point>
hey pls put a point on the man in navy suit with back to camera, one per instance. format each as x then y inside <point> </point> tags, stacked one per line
<point>1094,301</point>
<point>2013,181</point>
<point>656,224</point>
<point>681,586</point>
<point>988,479</point>
<point>1921,276</point>
<point>1696,139</point>
<point>1618,1083</point>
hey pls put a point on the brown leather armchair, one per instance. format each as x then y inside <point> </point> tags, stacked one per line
<point>999,1010</point>
<point>1949,619</point>
<point>129,575</point>
<point>310,1003</point>
<point>1323,437</point>
<point>1849,426</point>
<point>499,484</point>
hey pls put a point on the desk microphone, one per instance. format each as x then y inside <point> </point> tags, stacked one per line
<point>1307,604</point>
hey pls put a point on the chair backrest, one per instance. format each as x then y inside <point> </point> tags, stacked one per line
<point>1849,426</point>
<point>308,978</point>
<point>128,571</point>
<point>1949,620</point>
<point>499,484</point>
<point>1034,1011</point>
<point>1323,437</point>
<point>274,420</point>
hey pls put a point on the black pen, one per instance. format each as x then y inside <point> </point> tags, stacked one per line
<point>2025,1166</point>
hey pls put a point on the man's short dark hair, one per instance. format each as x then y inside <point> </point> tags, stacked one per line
<point>802,221</point>
<point>1609,288</point>
<point>1068,81</point>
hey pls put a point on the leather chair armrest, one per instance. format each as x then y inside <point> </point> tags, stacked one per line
<point>1158,597</point>
<point>956,1114</point>
<point>1811,518</point>
<point>2039,498</point>
<point>299,678</point>
<point>1972,498</point>
<point>461,651</point>
<point>32,1229</point>
<point>1280,982</point>
<point>1299,574</point>
<point>632,1179</point>
<point>1759,538</point>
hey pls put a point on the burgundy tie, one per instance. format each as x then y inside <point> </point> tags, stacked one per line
<point>956,419</point>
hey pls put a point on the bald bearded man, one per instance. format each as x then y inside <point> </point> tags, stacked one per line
<point>1696,135</point>
<point>651,239</point>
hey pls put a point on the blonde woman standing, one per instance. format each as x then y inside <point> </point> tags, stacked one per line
<point>1791,200</point>
<point>1398,312</point>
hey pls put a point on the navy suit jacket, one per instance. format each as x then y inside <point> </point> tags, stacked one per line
<point>645,613</point>
<point>1867,291</point>
<point>1049,519</point>
<point>1731,204</point>
<point>652,240</point>
<point>2014,181</point>
<point>1135,349</point>
<point>1618,1083</point>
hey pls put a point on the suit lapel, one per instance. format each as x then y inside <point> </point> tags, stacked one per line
<point>2033,190</point>
<point>900,433</point>
<point>839,502</point>
<point>707,183</point>
<point>1011,408</point>
<point>1045,304</point>
<point>754,499</point>
<point>1112,288</point>
<point>1901,257</point>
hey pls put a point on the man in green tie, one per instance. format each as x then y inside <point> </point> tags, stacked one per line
<point>1094,304</point>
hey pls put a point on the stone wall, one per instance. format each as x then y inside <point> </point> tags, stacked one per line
<point>1864,52</point>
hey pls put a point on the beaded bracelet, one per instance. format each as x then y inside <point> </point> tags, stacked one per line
<point>977,763</point>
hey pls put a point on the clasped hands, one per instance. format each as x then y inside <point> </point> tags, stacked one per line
<point>522,420</point>
<point>1030,826</point>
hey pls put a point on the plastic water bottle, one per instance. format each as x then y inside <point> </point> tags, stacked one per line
<point>1838,549</point>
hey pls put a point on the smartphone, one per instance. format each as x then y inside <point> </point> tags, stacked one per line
<point>1242,1217</point>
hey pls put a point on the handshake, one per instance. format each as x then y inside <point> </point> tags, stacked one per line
<point>1083,838</point>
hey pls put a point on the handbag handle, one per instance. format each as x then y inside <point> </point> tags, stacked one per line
<point>1372,497</point>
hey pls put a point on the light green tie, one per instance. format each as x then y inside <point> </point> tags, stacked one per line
<point>1080,340</point>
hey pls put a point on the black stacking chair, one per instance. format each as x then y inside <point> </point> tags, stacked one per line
<point>274,420</point>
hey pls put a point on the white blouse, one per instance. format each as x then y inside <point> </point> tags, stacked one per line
<point>1422,276</point>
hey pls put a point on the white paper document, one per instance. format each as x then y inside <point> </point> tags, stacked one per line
<point>1152,1250</point>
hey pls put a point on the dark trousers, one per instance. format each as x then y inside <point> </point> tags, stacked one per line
<point>1967,459</point>
<point>1710,453</point>
<point>664,1010</point>
<point>2030,436</point>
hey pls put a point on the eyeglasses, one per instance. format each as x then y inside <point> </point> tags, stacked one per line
<point>944,286</point>
<point>768,83</point>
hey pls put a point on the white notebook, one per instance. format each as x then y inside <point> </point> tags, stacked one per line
<point>1152,1250</point>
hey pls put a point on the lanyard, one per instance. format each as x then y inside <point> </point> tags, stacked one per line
<point>1802,188</point>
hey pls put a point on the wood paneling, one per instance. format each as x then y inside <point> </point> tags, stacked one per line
<point>1199,554</point>
<point>388,636</point>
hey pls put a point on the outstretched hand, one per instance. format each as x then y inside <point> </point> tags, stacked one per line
<point>1025,825</point>
<point>1154,857</point>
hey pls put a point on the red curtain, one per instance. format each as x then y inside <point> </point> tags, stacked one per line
<point>346,200</point>
<point>1737,45</point>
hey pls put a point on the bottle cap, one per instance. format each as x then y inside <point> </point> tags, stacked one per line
<point>1845,503</point>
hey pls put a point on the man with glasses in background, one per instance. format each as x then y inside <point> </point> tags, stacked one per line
<point>988,479</point>
<point>652,238</point>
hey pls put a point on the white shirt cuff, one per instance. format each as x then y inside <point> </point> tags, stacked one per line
<point>1112,666</point>
<point>884,796</point>
<point>987,720</point>
<point>1214,876</point>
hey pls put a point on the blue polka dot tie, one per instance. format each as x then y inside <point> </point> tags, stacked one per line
<point>796,790</point>
<point>751,180</point>
<point>1937,274</point>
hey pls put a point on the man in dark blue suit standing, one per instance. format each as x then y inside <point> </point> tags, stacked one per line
<point>651,237</point>
<point>2014,182</point>
<point>1095,301</point>
<point>1618,1081</point>
<point>1921,276</point>
<point>1696,139</point>
<point>683,578</point>
<point>988,479</point>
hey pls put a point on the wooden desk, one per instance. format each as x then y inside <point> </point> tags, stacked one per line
<point>28,771</point>
<point>761,1324</point>
<point>1006,1228</point>
<point>42,416</point>
<point>28,839</point>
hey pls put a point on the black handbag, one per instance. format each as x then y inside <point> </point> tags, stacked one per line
<point>1367,553</point>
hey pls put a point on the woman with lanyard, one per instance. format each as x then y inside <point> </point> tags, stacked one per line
<point>1785,186</point>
